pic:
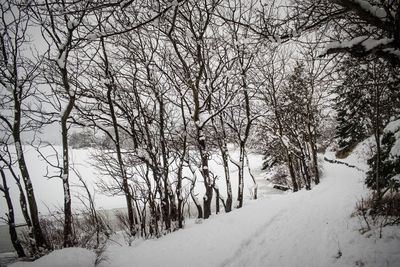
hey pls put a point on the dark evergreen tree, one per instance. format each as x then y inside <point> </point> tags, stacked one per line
<point>389,169</point>
<point>365,100</point>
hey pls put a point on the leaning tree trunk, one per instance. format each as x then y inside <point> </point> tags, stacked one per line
<point>125,184</point>
<point>10,218</point>
<point>22,199</point>
<point>223,147</point>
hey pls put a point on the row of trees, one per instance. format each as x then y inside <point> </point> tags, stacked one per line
<point>170,82</point>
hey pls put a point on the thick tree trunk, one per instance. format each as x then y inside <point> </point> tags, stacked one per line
<point>291,172</point>
<point>197,204</point>
<point>205,173</point>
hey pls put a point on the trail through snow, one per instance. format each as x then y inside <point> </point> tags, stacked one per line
<point>307,228</point>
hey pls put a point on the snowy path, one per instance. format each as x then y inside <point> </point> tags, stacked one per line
<point>301,229</point>
<point>308,229</point>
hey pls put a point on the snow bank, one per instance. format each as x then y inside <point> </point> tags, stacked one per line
<point>394,127</point>
<point>67,257</point>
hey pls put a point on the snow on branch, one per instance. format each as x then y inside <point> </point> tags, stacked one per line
<point>372,9</point>
<point>372,14</point>
<point>361,44</point>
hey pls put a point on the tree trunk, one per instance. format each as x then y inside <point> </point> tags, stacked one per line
<point>240,176</point>
<point>314,155</point>
<point>255,189</point>
<point>378,144</point>
<point>228,202</point>
<point>216,200</point>
<point>198,206</point>
<point>36,230</point>
<point>291,172</point>
<point>68,242</point>
<point>10,219</point>
<point>205,173</point>
<point>125,184</point>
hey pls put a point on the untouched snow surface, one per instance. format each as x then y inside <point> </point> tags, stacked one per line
<point>307,228</point>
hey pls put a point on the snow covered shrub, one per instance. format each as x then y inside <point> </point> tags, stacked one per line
<point>373,214</point>
<point>123,225</point>
<point>91,231</point>
<point>83,139</point>
<point>280,176</point>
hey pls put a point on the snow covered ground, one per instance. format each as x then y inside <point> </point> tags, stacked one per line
<point>307,228</point>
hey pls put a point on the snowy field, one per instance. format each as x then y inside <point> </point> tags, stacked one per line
<point>307,228</point>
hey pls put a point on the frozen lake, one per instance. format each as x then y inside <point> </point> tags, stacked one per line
<point>5,243</point>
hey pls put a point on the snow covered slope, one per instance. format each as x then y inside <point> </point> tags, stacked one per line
<point>307,228</point>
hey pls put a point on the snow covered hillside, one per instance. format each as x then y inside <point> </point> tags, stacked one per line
<point>307,228</point>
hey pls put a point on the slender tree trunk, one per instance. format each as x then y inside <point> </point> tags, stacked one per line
<point>11,220</point>
<point>22,199</point>
<point>252,177</point>
<point>36,230</point>
<point>228,202</point>
<point>314,154</point>
<point>125,184</point>
<point>180,199</point>
<point>378,144</point>
<point>68,242</point>
<point>240,176</point>
<point>223,148</point>
<point>216,200</point>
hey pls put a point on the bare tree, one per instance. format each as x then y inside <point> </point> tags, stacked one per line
<point>18,74</point>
